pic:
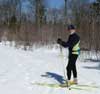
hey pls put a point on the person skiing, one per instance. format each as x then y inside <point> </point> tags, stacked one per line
<point>74,50</point>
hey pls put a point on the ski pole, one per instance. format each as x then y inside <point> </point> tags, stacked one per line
<point>63,64</point>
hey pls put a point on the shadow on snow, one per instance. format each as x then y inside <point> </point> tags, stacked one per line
<point>56,76</point>
<point>97,67</point>
<point>92,60</point>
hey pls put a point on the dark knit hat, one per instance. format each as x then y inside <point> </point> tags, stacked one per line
<point>71,27</point>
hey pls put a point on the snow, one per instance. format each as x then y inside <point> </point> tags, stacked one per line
<point>19,69</point>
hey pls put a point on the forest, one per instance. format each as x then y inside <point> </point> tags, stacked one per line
<point>38,24</point>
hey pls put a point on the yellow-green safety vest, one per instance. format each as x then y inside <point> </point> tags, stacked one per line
<point>76,49</point>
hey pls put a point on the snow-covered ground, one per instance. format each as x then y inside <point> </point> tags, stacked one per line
<point>19,69</point>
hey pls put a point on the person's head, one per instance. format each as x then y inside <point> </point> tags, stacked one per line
<point>71,28</point>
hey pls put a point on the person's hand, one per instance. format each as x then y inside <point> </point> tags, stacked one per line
<point>59,41</point>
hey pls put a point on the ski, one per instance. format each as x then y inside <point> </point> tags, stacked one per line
<point>78,87</point>
<point>91,86</point>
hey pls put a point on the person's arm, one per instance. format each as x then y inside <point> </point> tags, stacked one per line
<point>72,40</point>
<point>63,43</point>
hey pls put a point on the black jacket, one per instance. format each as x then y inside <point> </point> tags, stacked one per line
<point>72,41</point>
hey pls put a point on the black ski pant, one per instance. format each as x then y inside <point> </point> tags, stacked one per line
<point>71,67</point>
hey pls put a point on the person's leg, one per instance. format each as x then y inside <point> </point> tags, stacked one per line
<point>74,70</point>
<point>69,68</point>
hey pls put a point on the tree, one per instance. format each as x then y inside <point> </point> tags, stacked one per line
<point>39,7</point>
<point>65,11</point>
<point>8,9</point>
<point>96,7</point>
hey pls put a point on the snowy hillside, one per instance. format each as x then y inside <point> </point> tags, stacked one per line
<point>19,69</point>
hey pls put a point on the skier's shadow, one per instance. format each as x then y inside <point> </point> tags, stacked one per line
<point>93,67</point>
<point>56,76</point>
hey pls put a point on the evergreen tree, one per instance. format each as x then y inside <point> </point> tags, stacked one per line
<point>96,7</point>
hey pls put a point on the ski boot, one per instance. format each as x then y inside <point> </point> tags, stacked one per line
<point>75,81</point>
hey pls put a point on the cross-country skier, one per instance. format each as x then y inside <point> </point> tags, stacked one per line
<point>74,50</point>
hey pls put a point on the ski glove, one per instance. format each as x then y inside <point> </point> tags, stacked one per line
<point>59,41</point>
